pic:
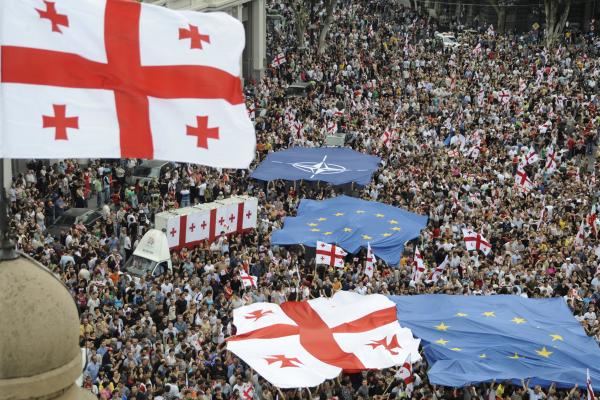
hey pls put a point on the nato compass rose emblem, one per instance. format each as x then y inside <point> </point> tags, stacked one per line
<point>319,168</point>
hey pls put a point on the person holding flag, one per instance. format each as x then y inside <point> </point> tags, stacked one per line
<point>435,275</point>
<point>588,384</point>
<point>370,262</point>
<point>418,266</point>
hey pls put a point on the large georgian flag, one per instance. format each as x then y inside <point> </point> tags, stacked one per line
<point>116,79</point>
<point>301,344</point>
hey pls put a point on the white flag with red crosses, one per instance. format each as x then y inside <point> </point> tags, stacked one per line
<point>121,79</point>
<point>248,280</point>
<point>370,262</point>
<point>303,343</point>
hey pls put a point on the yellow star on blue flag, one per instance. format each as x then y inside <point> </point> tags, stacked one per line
<point>353,224</point>
<point>468,340</point>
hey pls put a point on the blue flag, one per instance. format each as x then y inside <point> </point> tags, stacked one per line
<point>472,339</point>
<point>333,165</point>
<point>352,223</point>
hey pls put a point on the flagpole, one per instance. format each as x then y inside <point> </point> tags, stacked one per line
<point>7,246</point>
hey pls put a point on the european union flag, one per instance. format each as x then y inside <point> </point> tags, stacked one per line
<point>352,223</point>
<point>472,339</point>
<point>331,164</point>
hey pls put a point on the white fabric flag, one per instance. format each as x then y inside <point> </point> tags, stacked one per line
<point>588,384</point>
<point>248,280</point>
<point>122,79</point>
<point>301,344</point>
<point>418,266</point>
<point>250,213</point>
<point>198,224</point>
<point>226,221</point>
<point>172,232</point>
<point>438,271</point>
<point>370,262</point>
<point>474,241</point>
<point>329,254</point>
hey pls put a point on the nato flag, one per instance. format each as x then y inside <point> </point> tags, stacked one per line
<point>333,165</point>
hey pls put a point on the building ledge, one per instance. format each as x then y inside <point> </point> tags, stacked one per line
<point>198,5</point>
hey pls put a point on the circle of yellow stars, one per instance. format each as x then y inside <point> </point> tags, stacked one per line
<point>542,352</point>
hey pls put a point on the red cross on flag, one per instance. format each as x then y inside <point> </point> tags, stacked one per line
<point>370,262</point>
<point>434,276</point>
<point>172,231</point>
<point>249,212</point>
<point>247,391</point>
<point>504,96</point>
<point>331,127</point>
<point>301,344</point>
<point>279,59</point>
<point>227,217</point>
<point>247,280</point>
<point>198,226</point>
<point>386,138</point>
<point>406,371</point>
<point>522,181</point>
<point>588,384</point>
<point>330,254</point>
<point>551,160</point>
<point>545,126</point>
<point>418,266</point>
<point>474,241</point>
<point>121,79</point>
<point>530,158</point>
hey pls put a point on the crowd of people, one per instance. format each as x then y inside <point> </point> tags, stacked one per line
<point>462,120</point>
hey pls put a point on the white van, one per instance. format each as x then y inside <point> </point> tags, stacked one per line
<point>150,256</point>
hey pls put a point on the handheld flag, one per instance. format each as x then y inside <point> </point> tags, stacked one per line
<point>588,384</point>
<point>418,266</point>
<point>474,241</point>
<point>551,161</point>
<point>438,271</point>
<point>530,158</point>
<point>248,280</point>
<point>386,138</point>
<point>370,262</point>
<point>278,60</point>
<point>330,254</point>
<point>122,79</point>
<point>522,181</point>
<point>405,372</point>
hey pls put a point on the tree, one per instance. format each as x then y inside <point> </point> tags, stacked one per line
<point>329,9</point>
<point>301,20</point>
<point>499,7</point>
<point>557,12</point>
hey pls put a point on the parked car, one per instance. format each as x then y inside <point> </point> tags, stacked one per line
<point>83,218</point>
<point>448,39</point>
<point>147,171</point>
<point>298,89</point>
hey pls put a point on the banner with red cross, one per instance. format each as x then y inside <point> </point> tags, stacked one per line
<point>121,79</point>
<point>189,226</point>
<point>301,344</point>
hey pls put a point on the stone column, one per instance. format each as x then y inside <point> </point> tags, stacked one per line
<point>7,173</point>
<point>258,37</point>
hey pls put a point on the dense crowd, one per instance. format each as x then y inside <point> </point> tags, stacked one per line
<point>456,143</point>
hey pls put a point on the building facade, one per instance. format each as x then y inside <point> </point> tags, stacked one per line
<point>521,15</point>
